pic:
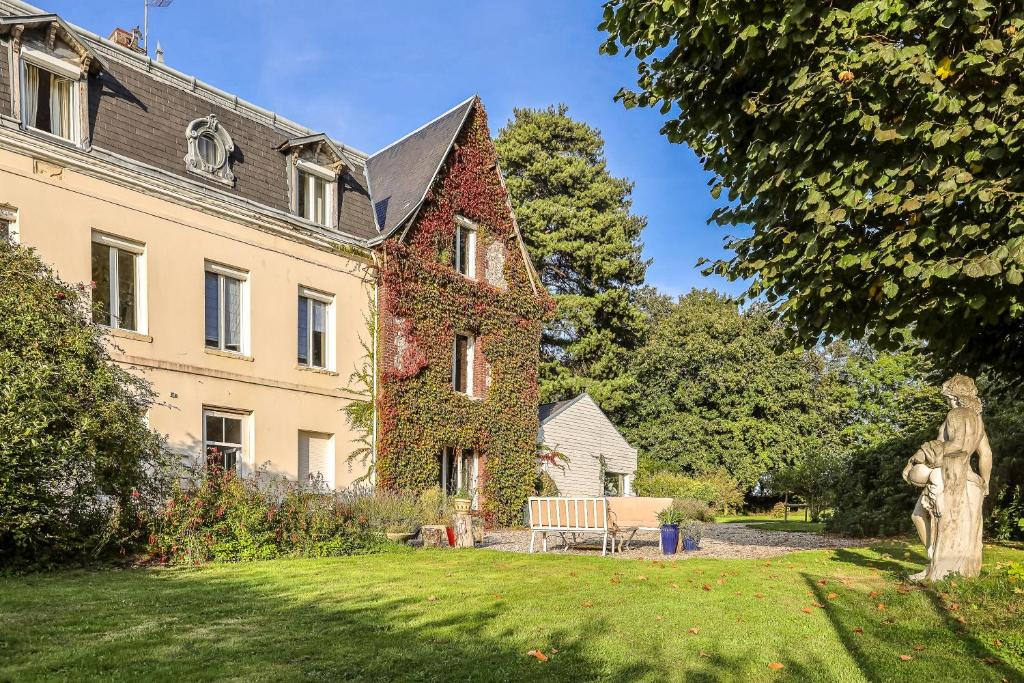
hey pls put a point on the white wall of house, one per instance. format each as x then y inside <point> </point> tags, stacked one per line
<point>584,433</point>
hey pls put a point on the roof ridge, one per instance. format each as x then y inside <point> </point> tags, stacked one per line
<point>425,125</point>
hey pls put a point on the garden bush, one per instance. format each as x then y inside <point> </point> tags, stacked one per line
<point>716,489</point>
<point>217,515</point>
<point>78,465</point>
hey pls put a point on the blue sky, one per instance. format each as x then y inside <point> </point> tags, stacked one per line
<point>368,72</point>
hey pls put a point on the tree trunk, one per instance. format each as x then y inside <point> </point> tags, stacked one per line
<point>463,530</point>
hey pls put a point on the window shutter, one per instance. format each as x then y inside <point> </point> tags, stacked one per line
<point>316,456</point>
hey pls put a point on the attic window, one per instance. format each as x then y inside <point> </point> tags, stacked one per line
<point>314,189</point>
<point>209,150</point>
<point>49,95</point>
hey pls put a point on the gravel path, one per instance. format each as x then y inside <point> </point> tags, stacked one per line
<point>726,541</point>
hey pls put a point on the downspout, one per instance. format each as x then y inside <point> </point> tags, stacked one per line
<point>376,350</point>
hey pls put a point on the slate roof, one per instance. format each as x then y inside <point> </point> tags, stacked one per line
<point>546,411</point>
<point>401,174</point>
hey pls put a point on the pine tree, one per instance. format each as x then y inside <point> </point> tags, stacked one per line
<point>585,243</point>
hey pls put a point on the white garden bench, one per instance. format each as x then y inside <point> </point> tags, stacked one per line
<point>571,515</point>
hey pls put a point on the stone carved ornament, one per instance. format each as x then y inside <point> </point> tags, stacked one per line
<point>212,132</point>
<point>948,515</point>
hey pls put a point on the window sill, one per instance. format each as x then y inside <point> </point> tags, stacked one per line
<point>73,144</point>
<point>128,334</point>
<point>228,354</point>
<point>319,371</point>
<point>471,397</point>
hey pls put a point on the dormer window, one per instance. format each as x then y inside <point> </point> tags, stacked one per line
<point>209,150</point>
<point>315,163</point>
<point>312,195</point>
<point>49,95</point>
<point>50,69</point>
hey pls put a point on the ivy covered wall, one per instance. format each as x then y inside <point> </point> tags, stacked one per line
<point>425,303</point>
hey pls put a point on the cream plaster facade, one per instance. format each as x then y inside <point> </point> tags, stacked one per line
<point>59,209</point>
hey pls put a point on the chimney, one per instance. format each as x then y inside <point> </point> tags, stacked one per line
<point>128,39</point>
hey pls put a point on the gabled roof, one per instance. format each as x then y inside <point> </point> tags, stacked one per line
<point>548,411</point>
<point>311,139</point>
<point>400,175</point>
<point>67,33</point>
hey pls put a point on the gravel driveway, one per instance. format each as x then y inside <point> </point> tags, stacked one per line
<point>735,541</point>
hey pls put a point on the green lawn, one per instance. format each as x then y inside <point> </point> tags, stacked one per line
<point>474,615</point>
<point>769,523</point>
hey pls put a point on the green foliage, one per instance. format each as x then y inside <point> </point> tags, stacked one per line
<point>717,490</point>
<point>78,465</point>
<point>545,485</point>
<point>394,511</point>
<point>873,149</point>
<point>692,529</point>
<point>214,515</point>
<point>1006,523</point>
<point>427,301</point>
<point>717,388</point>
<point>671,516</point>
<point>585,244</point>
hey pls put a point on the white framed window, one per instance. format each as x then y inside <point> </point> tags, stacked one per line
<point>464,254</point>
<point>225,438</point>
<point>460,470</point>
<point>315,189</point>
<point>226,296</point>
<point>9,223</point>
<point>316,329</point>
<point>316,458</point>
<point>119,277</point>
<point>462,363</point>
<point>616,484</point>
<point>50,95</point>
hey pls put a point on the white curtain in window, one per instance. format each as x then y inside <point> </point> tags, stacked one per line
<point>31,95</point>
<point>233,314</point>
<point>60,107</point>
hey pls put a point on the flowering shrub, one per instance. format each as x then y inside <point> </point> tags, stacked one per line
<point>217,515</point>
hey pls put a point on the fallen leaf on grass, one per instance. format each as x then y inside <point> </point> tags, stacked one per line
<point>822,582</point>
<point>554,650</point>
<point>807,610</point>
<point>498,596</point>
<point>641,578</point>
<point>695,630</point>
<point>706,586</point>
<point>919,647</point>
<point>659,618</point>
<point>832,596</point>
<point>572,573</point>
<point>874,594</point>
<point>538,654</point>
<point>905,658</point>
<point>432,598</point>
<point>818,605</point>
<point>858,630</point>
<point>991,660</point>
<point>675,585</point>
<point>704,654</point>
<point>954,607</point>
<point>997,642</point>
<point>616,579</point>
<point>758,595</point>
<point>775,666</point>
<point>586,603</point>
<point>880,607</point>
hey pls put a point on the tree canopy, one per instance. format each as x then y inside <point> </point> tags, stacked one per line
<point>873,148</point>
<point>585,243</point>
<point>719,388</point>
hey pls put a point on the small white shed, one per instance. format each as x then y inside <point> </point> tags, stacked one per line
<point>581,431</point>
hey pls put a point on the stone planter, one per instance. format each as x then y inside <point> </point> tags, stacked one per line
<point>434,536</point>
<point>462,504</point>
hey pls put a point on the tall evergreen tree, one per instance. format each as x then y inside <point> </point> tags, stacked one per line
<point>585,243</point>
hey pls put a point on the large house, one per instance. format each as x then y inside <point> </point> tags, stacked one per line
<point>244,264</point>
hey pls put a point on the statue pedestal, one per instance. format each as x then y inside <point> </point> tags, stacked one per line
<point>463,530</point>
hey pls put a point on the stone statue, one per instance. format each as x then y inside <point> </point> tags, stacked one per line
<point>948,513</point>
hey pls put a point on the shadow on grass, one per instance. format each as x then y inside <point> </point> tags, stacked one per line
<point>882,637</point>
<point>191,625</point>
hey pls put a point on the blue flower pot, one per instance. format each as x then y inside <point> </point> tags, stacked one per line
<point>669,538</point>
<point>689,544</point>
